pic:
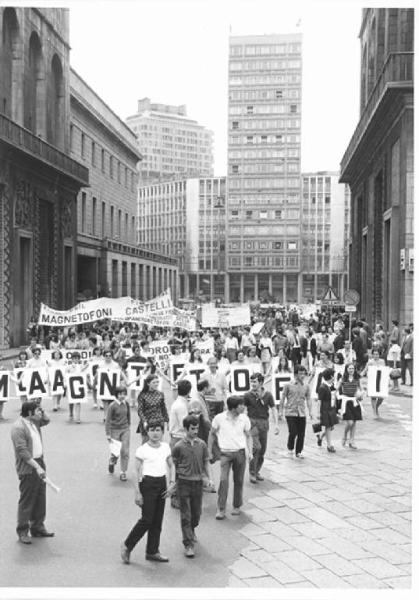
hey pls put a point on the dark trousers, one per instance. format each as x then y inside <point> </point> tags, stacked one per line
<point>296,429</point>
<point>152,490</point>
<point>190,501</point>
<point>259,434</point>
<point>237,461</point>
<point>31,510</point>
<point>295,356</point>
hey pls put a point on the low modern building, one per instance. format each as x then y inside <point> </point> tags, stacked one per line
<point>172,145</point>
<point>109,262</point>
<point>378,165</point>
<point>324,234</point>
<point>39,179</point>
<point>186,220</point>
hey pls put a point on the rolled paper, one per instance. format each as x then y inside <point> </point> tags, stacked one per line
<point>52,485</point>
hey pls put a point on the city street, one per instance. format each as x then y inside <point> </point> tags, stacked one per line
<point>329,521</point>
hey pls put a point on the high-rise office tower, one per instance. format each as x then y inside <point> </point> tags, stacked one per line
<point>173,146</point>
<point>264,142</point>
<point>324,235</point>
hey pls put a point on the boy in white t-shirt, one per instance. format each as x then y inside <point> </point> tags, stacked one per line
<point>153,462</point>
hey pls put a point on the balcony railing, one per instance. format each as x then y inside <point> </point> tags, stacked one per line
<point>398,69</point>
<point>25,141</point>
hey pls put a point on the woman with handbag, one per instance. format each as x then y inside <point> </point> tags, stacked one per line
<point>350,390</point>
<point>328,417</point>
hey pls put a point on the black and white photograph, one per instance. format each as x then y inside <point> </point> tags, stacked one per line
<point>207,299</point>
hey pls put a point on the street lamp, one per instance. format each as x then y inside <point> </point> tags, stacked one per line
<point>218,205</point>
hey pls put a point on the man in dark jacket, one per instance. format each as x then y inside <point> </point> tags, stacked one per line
<point>27,441</point>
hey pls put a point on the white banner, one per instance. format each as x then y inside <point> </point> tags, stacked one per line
<point>206,347</point>
<point>176,365</point>
<point>278,382</point>
<point>76,386</point>
<point>135,370</point>
<point>160,351</point>
<point>56,376</point>
<point>67,352</point>
<point>378,379</point>
<point>257,327</point>
<point>183,319</point>
<point>240,379</point>
<point>107,380</point>
<point>117,309</point>
<point>5,386</point>
<point>225,317</point>
<point>35,383</point>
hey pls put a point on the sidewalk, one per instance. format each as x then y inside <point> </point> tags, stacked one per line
<point>333,520</point>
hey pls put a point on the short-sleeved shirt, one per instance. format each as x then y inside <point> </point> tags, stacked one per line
<point>294,399</point>
<point>189,458</point>
<point>258,407</point>
<point>154,459</point>
<point>231,431</point>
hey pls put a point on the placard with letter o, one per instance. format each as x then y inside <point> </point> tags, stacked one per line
<point>240,379</point>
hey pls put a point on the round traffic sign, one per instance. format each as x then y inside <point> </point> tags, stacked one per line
<point>351,297</point>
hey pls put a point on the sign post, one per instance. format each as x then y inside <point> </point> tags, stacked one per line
<point>351,298</point>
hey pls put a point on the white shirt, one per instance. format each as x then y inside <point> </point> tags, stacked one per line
<point>36,439</point>
<point>154,459</point>
<point>231,431</point>
<point>178,411</point>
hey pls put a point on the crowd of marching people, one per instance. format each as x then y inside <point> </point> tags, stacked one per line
<point>323,360</point>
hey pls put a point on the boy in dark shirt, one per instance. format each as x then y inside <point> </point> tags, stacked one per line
<point>117,427</point>
<point>191,460</point>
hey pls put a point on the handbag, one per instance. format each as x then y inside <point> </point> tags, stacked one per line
<point>395,374</point>
<point>316,427</point>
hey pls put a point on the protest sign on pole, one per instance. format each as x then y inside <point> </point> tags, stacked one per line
<point>225,317</point>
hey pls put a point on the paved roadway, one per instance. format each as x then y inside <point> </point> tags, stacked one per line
<point>330,521</point>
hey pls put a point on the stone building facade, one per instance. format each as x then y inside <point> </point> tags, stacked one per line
<point>378,165</point>
<point>109,262</point>
<point>39,180</point>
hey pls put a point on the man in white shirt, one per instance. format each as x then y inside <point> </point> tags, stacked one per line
<point>30,467</point>
<point>232,429</point>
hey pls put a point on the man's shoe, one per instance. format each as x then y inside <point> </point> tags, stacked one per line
<point>42,533</point>
<point>235,511</point>
<point>125,554</point>
<point>220,514</point>
<point>299,456</point>
<point>123,477</point>
<point>157,557</point>
<point>253,479</point>
<point>259,477</point>
<point>189,552</point>
<point>290,453</point>
<point>24,539</point>
<point>331,449</point>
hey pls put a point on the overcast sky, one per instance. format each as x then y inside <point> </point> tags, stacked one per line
<point>176,52</point>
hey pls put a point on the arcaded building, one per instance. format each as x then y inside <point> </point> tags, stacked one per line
<point>39,180</point>
<point>378,165</point>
